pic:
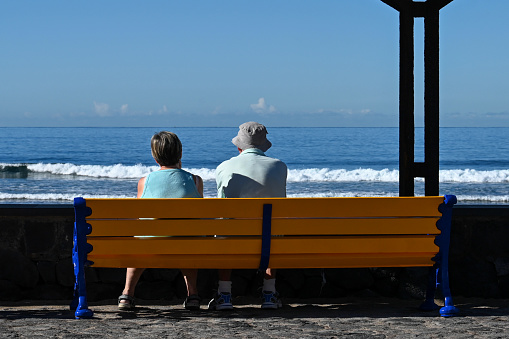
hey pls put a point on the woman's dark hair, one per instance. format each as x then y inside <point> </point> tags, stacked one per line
<point>166,148</point>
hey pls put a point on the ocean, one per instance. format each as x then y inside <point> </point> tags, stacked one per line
<point>54,165</point>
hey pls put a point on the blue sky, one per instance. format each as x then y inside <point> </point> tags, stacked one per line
<point>220,63</point>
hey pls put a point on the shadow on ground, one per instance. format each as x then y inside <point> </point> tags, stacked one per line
<point>249,308</point>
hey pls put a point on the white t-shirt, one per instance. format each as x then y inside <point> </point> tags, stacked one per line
<point>251,174</point>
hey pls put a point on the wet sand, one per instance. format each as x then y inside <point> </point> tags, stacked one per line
<point>320,318</point>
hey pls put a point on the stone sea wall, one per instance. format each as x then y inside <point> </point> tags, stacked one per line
<point>36,246</point>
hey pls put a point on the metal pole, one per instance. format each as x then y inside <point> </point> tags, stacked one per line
<point>406,102</point>
<point>431,100</point>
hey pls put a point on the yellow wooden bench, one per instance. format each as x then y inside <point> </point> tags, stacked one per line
<point>263,232</point>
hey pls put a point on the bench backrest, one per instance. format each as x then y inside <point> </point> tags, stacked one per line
<point>255,233</point>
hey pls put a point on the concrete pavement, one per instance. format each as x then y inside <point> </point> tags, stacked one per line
<point>353,317</point>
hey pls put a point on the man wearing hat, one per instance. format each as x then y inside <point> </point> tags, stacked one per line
<point>251,174</point>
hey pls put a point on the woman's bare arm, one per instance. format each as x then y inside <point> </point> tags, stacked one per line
<point>198,181</point>
<point>141,186</point>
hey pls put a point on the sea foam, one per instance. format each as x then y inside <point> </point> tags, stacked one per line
<point>119,171</point>
<point>51,197</point>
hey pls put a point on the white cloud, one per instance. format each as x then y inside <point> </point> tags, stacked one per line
<point>262,107</point>
<point>102,109</point>
<point>344,111</point>
<point>163,110</point>
<point>335,111</point>
<point>123,108</point>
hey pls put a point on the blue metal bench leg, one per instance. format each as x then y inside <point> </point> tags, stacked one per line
<point>79,257</point>
<point>444,225</point>
<point>449,310</point>
<point>79,302</point>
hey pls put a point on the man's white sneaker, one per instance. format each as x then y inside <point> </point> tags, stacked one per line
<point>221,301</point>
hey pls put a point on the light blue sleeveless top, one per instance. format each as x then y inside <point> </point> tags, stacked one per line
<point>170,183</point>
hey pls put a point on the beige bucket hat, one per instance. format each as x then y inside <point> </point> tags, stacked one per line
<point>252,135</point>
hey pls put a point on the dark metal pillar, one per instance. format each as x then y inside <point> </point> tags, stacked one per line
<point>431,98</point>
<point>406,101</point>
<point>408,168</point>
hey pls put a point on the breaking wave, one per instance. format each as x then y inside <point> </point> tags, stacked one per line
<point>119,171</point>
<point>22,197</point>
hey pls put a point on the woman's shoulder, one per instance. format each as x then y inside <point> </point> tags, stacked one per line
<point>182,171</point>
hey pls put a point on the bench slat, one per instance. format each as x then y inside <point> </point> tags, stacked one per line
<point>252,208</point>
<point>208,261</point>
<point>354,244</point>
<point>180,227</point>
<point>352,260</point>
<point>198,227</point>
<point>251,245</point>
<point>205,261</point>
<point>355,226</point>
